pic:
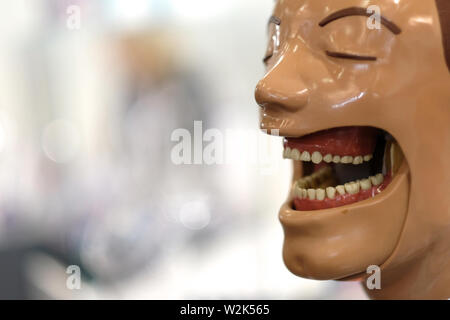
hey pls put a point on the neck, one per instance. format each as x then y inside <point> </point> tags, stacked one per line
<point>426,277</point>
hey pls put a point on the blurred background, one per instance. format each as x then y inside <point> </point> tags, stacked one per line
<point>91,92</point>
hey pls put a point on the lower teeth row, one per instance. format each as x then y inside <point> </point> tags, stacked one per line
<point>302,191</point>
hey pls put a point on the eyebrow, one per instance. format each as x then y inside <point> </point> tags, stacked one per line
<point>359,11</point>
<point>275,20</point>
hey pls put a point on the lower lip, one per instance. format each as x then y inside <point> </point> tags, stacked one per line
<point>340,200</point>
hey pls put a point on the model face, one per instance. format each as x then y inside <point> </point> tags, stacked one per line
<point>366,115</point>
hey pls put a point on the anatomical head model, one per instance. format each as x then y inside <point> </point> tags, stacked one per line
<point>365,112</point>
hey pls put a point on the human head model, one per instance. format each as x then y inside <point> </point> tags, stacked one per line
<point>364,106</point>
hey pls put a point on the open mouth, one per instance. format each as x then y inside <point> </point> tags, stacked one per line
<point>342,166</point>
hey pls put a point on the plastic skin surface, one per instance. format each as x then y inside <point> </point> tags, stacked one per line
<point>328,85</point>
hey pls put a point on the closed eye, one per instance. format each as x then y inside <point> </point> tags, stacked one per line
<point>350,56</point>
<point>267,58</point>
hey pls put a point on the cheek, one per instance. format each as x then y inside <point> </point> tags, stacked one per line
<point>346,84</point>
<point>351,79</point>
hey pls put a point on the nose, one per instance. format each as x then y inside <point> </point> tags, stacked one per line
<point>282,87</point>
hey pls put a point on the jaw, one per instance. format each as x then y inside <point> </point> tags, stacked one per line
<point>336,239</point>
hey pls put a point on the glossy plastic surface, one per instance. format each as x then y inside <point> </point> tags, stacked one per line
<point>320,77</point>
<point>347,141</point>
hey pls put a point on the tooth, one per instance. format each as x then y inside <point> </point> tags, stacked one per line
<point>297,192</point>
<point>346,159</point>
<point>294,189</point>
<point>352,187</point>
<point>348,188</point>
<point>331,192</point>
<point>287,153</point>
<point>319,173</point>
<point>315,180</point>
<point>305,156</point>
<point>341,190</point>
<point>368,157</point>
<point>302,183</point>
<point>337,159</point>
<point>328,158</point>
<point>323,175</point>
<point>396,157</point>
<point>312,194</point>
<point>328,182</point>
<point>365,184</point>
<point>295,154</point>
<point>379,178</point>
<point>358,160</point>
<point>304,193</point>
<point>376,180</point>
<point>320,194</point>
<point>309,181</point>
<point>316,157</point>
<point>325,171</point>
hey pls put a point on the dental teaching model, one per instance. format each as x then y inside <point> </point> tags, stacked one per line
<point>361,92</point>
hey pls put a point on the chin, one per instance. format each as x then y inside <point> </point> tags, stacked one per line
<point>348,202</point>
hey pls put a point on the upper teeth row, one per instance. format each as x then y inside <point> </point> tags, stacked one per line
<point>330,192</point>
<point>317,157</point>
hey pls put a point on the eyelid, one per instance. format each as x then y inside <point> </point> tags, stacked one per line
<point>266,58</point>
<point>275,20</point>
<point>350,56</point>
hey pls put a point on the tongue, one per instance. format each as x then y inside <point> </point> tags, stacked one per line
<point>344,141</point>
